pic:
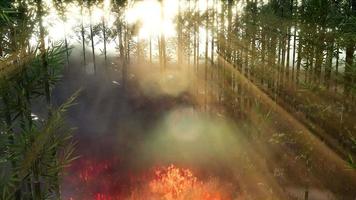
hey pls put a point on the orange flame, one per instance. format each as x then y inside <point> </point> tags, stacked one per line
<point>173,183</point>
<point>164,183</point>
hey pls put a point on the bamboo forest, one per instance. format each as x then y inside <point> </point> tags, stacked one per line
<point>178,99</point>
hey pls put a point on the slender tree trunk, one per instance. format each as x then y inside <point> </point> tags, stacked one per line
<point>206,59</point>
<point>212,36</point>
<point>194,47</point>
<point>164,56</point>
<point>299,58</point>
<point>121,42</point>
<point>150,49</point>
<point>128,46</point>
<point>319,56</point>
<point>337,69</point>
<point>279,63</point>
<point>294,50</point>
<point>350,49</point>
<point>121,49</point>
<point>138,50</point>
<point>104,35</point>
<point>163,43</point>
<point>83,37</point>
<point>45,67</point>
<point>283,62</point>
<point>37,187</point>
<point>288,53</point>
<point>160,55</point>
<point>125,58</point>
<point>329,63</point>
<point>92,40</point>
<point>263,55</point>
<point>180,38</point>
<point>43,54</point>
<point>311,65</point>
<point>197,38</point>
<point>272,60</point>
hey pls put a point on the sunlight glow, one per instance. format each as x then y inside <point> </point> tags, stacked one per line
<point>154,17</point>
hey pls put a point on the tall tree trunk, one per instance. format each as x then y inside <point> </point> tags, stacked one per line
<point>121,42</point>
<point>337,68</point>
<point>299,57</point>
<point>160,54</point>
<point>206,59</point>
<point>180,37</point>
<point>104,35</point>
<point>263,55</point>
<point>350,49</point>
<point>329,62</point>
<point>150,49</point>
<point>288,52</point>
<point>311,64</point>
<point>92,40</point>
<point>43,53</point>
<point>319,56</point>
<point>126,57</point>
<point>164,56</point>
<point>83,37</point>
<point>198,52</point>
<point>163,42</point>
<point>37,186</point>
<point>212,36</point>
<point>283,62</point>
<point>272,59</point>
<point>294,50</point>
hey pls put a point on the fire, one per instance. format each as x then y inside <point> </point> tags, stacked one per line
<point>93,170</point>
<point>100,196</point>
<point>95,181</point>
<point>174,183</point>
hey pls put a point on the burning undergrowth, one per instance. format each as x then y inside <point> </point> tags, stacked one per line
<point>174,183</point>
<point>98,181</point>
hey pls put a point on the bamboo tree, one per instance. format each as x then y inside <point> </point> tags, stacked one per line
<point>37,193</point>
<point>337,68</point>
<point>104,36</point>
<point>43,52</point>
<point>329,61</point>
<point>83,34</point>
<point>92,39</point>
<point>60,5</point>
<point>206,57</point>
<point>288,52</point>
<point>294,50</point>
<point>180,37</point>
